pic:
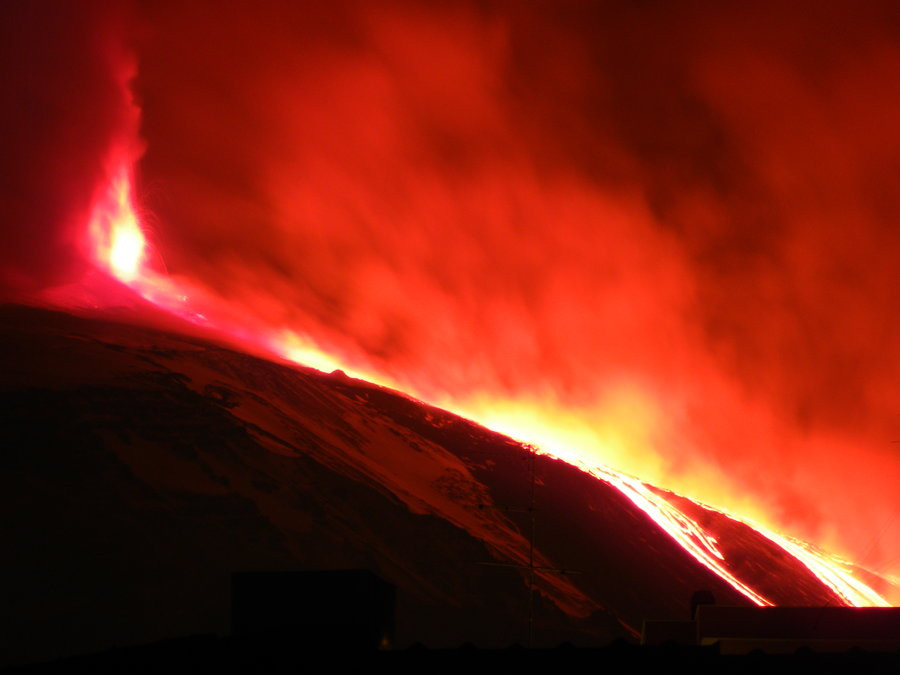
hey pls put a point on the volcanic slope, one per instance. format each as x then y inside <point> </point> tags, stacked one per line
<point>141,468</point>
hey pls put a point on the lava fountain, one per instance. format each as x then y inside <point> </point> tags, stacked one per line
<point>118,240</point>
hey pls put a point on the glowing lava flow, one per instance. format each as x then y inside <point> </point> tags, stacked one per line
<point>836,573</point>
<point>119,245</point>
<point>682,529</point>
<point>831,570</point>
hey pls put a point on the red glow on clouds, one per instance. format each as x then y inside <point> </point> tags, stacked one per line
<point>655,238</point>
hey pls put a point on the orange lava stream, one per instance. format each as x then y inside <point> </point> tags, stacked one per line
<point>831,570</point>
<point>119,247</point>
<point>836,573</point>
<point>680,527</point>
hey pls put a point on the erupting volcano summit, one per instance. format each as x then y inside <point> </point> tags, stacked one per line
<point>316,288</point>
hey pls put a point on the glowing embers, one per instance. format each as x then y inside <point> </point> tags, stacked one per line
<point>119,244</point>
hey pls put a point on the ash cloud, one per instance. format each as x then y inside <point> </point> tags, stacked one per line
<point>63,109</point>
<point>526,198</point>
<point>554,202</point>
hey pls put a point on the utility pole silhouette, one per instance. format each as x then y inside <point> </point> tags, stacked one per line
<point>531,567</point>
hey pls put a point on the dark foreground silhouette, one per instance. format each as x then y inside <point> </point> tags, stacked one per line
<point>141,469</point>
<point>208,654</point>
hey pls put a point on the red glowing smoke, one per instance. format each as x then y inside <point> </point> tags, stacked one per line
<point>68,124</point>
<point>667,231</point>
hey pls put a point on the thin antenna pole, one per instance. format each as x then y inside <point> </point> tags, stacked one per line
<point>531,567</point>
<point>531,510</point>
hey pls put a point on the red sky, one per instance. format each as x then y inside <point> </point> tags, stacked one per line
<point>677,218</point>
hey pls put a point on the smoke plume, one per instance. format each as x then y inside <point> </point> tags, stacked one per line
<point>670,226</point>
<point>65,111</point>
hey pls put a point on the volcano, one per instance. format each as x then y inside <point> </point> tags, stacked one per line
<point>143,467</point>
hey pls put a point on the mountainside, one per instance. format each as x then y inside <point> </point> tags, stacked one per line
<point>141,468</point>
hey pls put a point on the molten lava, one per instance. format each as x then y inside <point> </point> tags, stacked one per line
<point>121,248</point>
<point>118,240</point>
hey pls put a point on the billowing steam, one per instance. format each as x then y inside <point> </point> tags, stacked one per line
<point>664,234</point>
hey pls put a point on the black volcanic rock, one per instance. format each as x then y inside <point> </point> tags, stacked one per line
<point>140,469</point>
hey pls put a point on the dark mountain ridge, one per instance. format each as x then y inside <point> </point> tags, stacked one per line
<point>141,468</point>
